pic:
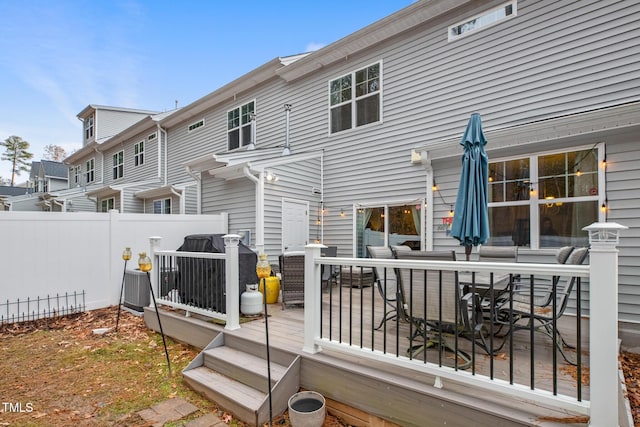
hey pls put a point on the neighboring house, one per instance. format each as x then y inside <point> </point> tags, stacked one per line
<point>45,176</point>
<point>92,167</point>
<point>7,193</point>
<point>377,116</point>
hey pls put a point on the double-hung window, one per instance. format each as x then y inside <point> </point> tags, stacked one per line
<point>138,153</point>
<point>239,125</point>
<point>162,206</point>
<point>77,173</point>
<point>88,128</point>
<point>354,99</point>
<point>90,173</point>
<point>118,165</point>
<point>545,200</point>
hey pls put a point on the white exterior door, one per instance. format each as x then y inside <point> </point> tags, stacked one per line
<point>295,225</point>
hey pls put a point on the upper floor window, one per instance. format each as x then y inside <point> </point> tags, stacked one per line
<point>162,206</point>
<point>152,137</point>
<point>77,173</point>
<point>239,125</point>
<point>545,200</point>
<point>88,128</point>
<point>118,165</point>
<point>196,125</point>
<point>107,204</point>
<point>90,173</point>
<point>355,98</point>
<point>483,20</point>
<point>138,153</point>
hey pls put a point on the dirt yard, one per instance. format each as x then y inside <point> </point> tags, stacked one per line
<point>59,373</point>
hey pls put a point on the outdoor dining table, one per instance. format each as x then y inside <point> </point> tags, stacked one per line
<point>482,283</point>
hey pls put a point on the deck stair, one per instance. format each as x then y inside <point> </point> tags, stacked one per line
<point>233,373</point>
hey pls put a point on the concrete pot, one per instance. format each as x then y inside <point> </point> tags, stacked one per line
<point>307,409</point>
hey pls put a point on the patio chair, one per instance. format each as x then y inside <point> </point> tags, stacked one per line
<point>543,313</point>
<point>292,280</point>
<point>498,253</point>
<point>385,281</point>
<point>433,303</point>
<point>330,273</point>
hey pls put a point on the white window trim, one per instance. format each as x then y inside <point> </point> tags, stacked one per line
<point>251,130</point>
<point>386,204</point>
<point>534,201</point>
<point>139,155</point>
<point>353,100</point>
<point>92,171</point>
<point>514,13</point>
<point>152,137</point>
<point>119,164</point>
<point>162,205</point>
<point>103,201</point>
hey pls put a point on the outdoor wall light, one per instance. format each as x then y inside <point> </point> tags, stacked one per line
<point>271,177</point>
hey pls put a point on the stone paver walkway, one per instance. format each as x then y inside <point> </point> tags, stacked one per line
<point>176,409</point>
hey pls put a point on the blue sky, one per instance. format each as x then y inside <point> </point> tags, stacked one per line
<point>57,57</point>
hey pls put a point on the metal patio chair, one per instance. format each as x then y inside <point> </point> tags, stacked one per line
<point>385,281</point>
<point>432,302</point>
<point>540,309</point>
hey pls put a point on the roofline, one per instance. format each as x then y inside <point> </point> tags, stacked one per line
<point>72,158</point>
<point>249,80</point>
<point>399,22</point>
<point>95,107</point>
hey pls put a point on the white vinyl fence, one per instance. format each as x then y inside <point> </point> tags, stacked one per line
<point>49,253</point>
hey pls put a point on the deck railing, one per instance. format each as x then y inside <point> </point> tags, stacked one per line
<point>199,282</point>
<point>353,318</point>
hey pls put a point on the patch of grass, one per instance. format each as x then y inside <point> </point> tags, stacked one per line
<point>68,376</point>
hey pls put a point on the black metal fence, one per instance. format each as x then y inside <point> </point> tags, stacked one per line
<point>32,309</point>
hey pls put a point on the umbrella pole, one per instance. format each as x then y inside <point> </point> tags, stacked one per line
<point>467,251</point>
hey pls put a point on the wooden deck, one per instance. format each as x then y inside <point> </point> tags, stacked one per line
<point>388,391</point>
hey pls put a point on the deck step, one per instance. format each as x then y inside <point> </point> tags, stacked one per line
<point>243,367</point>
<point>240,399</point>
<point>234,375</point>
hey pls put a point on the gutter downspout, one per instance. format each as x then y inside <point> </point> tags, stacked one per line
<point>427,234</point>
<point>179,196</point>
<point>198,178</point>
<point>162,132</point>
<point>259,207</point>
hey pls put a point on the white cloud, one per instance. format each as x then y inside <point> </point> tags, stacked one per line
<point>311,46</point>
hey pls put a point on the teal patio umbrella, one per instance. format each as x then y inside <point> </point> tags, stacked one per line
<point>471,218</point>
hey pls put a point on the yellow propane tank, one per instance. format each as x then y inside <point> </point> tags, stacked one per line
<point>273,289</point>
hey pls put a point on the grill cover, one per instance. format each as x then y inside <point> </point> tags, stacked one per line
<point>202,281</point>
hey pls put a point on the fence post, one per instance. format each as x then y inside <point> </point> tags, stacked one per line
<point>154,245</point>
<point>312,297</point>
<point>232,278</point>
<point>603,323</point>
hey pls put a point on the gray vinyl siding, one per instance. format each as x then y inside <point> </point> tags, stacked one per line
<point>147,171</point>
<point>81,203</point>
<point>623,195</point>
<point>110,122</point>
<point>190,195</point>
<point>295,182</point>
<point>235,197</point>
<point>185,146</point>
